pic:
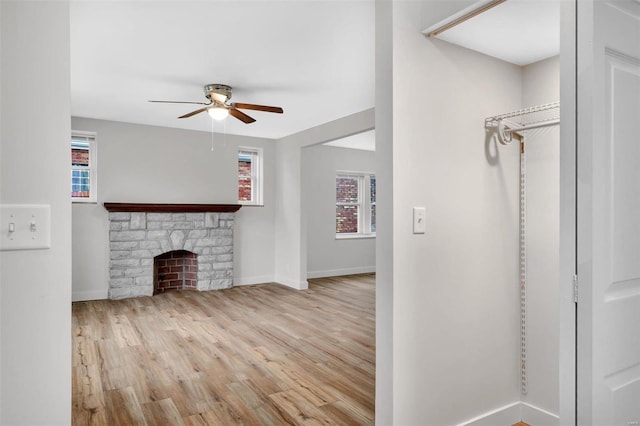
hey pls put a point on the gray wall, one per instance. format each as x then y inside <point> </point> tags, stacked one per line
<point>35,285</point>
<point>327,256</point>
<point>290,224</point>
<point>147,164</point>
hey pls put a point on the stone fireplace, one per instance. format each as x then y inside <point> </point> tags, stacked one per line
<point>140,234</point>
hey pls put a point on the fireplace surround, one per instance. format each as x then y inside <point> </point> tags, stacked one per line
<point>138,233</point>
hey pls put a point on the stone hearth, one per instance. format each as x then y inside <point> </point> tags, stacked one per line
<point>140,232</point>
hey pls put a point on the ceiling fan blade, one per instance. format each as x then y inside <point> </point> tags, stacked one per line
<point>241,115</point>
<point>258,107</point>
<point>182,102</point>
<point>198,111</point>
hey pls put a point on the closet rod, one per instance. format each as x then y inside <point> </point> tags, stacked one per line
<point>464,17</point>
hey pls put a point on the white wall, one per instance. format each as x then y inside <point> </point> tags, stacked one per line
<point>455,288</point>
<point>35,290</point>
<point>327,256</point>
<point>567,216</point>
<point>148,164</point>
<point>384,231</point>
<point>541,85</point>
<point>454,303</point>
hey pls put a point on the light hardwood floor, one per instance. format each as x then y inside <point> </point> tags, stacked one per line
<point>258,355</point>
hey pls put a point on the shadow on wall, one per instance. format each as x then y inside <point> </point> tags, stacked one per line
<point>491,151</point>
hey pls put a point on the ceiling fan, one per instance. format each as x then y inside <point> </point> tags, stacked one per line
<point>219,106</point>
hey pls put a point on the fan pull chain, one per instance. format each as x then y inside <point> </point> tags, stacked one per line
<point>523,271</point>
<point>212,131</point>
<point>224,133</point>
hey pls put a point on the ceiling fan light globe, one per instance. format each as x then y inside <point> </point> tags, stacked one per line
<point>218,113</point>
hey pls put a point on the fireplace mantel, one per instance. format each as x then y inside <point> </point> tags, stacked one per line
<point>172,208</point>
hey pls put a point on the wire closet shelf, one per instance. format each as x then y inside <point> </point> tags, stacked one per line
<point>506,127</point>
<point>513,123</point>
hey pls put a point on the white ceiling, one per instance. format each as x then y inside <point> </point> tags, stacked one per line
<point>315,59</point>
<point>516,31</point>
<point>365,141</point>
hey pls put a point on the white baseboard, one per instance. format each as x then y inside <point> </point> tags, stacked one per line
<point>506,415</point>
<point>82,296</point>
<point>513,413</point>
<point>537,416</point>
<point>263,279</point>
<point>303,285</point>
<point>298,285</point>
<point>340,272</point>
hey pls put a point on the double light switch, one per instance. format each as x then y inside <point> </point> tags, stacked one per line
<point>25,226</point>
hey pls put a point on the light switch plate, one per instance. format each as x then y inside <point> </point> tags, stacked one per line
<point>25,226</point>
<point>419,220</point>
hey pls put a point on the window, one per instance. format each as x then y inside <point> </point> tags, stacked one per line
<point>355,205</point>
<point>250,176</point>
<point>83,167</point>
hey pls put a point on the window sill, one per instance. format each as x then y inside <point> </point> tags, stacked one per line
<point>354,236</point>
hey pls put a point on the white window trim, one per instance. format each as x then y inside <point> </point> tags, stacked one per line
<point>256,175</point>
<point>364,204</point>
<point>352,236</point>
<point>91,138</point>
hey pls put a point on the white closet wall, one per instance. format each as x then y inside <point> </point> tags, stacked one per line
<point>541,85</point>
<point>455,288</point>
<point>456,321</point>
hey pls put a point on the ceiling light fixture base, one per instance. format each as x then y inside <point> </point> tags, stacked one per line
<point>218,93</point>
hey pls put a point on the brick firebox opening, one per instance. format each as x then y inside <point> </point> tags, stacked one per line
<point>175,270</point>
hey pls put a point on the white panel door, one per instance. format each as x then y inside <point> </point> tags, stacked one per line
<point>608,215</point>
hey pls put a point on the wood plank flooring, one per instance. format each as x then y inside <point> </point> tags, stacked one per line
<point>255,355</point>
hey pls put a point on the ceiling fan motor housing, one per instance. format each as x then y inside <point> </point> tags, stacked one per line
<point>219,93</point>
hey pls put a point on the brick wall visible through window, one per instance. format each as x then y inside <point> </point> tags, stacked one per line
<point>372,195</point>
<point>355,204</point>
<point>83,167</point>
<point>347,204</point>
<point>250,176</point>
<point>244,178</point>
